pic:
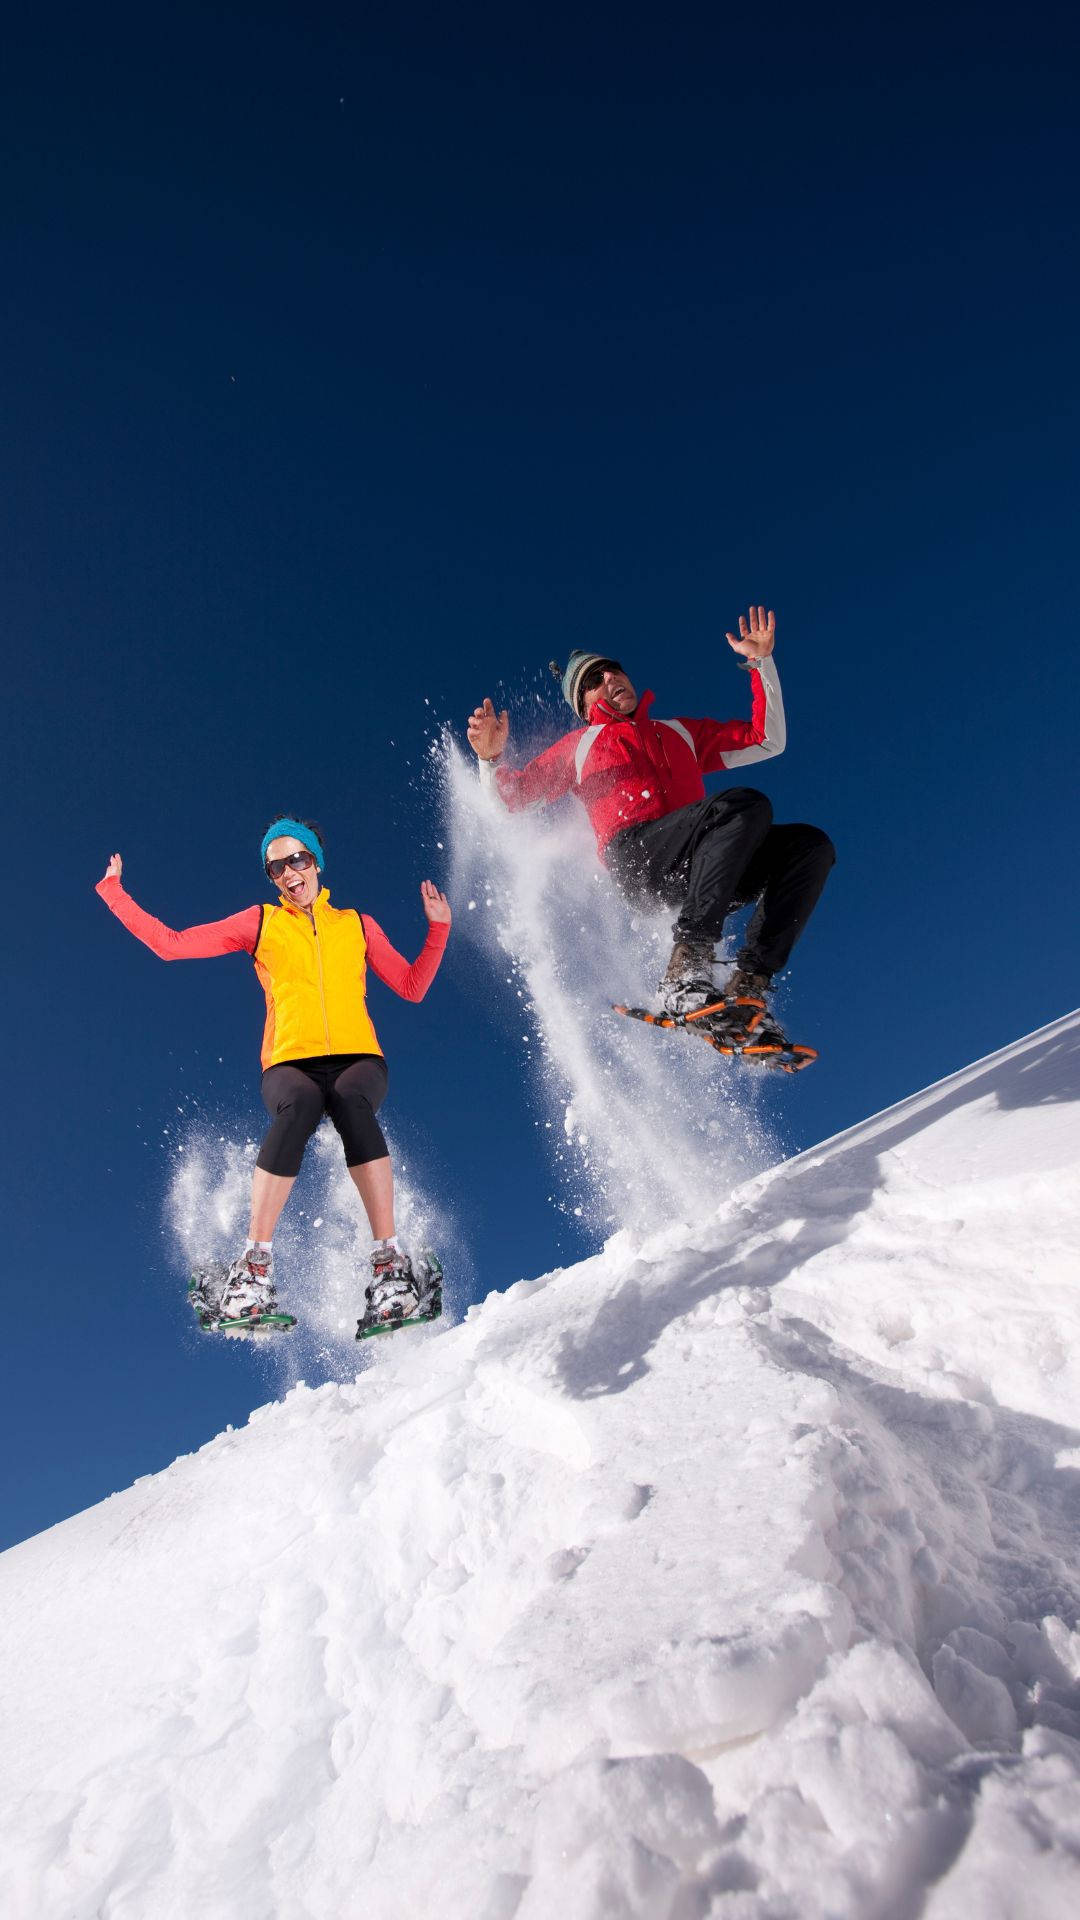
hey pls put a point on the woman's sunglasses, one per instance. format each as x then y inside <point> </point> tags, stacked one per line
<point>299,862</point>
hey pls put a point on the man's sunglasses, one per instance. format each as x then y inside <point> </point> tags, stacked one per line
<point>595,675</point>
<point>299,862</point>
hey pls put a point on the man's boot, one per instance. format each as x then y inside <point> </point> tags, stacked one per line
<point>687,984</point>
<point>747,983</point>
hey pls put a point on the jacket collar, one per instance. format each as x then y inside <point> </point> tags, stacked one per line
<point>602,713</point>
<point>322,899</point>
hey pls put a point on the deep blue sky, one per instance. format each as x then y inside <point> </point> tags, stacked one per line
<point>353,357</point>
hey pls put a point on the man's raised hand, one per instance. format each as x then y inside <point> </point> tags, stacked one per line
<point>756,637</point>
<point>488,731</point>
<point>114,869</point>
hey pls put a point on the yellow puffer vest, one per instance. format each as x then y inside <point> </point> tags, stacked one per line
<point>312,972</point>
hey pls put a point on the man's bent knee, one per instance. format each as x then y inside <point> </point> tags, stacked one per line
<point>747,800</point>
<point>817,842</point>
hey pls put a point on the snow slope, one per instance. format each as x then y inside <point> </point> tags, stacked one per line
<point>733,1572</point>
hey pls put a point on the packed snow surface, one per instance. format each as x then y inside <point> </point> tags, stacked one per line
<point>734,1572</point>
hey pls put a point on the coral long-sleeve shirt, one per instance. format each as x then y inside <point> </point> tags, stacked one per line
<point>239,933</point>
<point>315,998</point>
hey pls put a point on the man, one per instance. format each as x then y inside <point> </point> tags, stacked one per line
<point>661,838</point>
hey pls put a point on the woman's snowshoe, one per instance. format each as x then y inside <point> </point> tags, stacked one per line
<point>223,1306</point>
<point>401,1294</point>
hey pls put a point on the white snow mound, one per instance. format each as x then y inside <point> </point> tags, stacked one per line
<point>734,1572</point>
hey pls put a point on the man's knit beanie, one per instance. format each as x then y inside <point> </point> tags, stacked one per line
<point>578,665</point>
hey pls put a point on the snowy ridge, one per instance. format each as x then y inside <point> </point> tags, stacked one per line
<point>733,1572</point>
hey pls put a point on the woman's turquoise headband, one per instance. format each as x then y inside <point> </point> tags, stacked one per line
<point>296,830</point>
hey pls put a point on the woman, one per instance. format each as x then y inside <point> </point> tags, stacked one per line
<point>320,1053</point>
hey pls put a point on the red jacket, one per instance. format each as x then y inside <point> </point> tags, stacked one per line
<point>629,770</point>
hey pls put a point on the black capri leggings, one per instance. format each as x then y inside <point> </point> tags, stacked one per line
<point>350,1087</point>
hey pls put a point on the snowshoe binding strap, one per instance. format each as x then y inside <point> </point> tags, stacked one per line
<point>755,1010</point>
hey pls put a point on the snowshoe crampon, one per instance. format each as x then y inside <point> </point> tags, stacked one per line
<point>730,1026</point>
<point>204,1296</point>
<point>428,1275</point>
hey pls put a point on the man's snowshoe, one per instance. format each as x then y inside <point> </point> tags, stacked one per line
<point>406,1295</point>
<point>742,1027</point>
<point>205,1289</point>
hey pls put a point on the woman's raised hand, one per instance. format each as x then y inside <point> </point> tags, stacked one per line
<point>436,904</point>
<point>114,869</point>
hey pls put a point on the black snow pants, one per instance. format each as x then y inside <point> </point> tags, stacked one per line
<point>719,854</point>
<point>350,1087</point>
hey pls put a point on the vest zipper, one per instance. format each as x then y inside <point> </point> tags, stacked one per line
<point>322,983</point>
